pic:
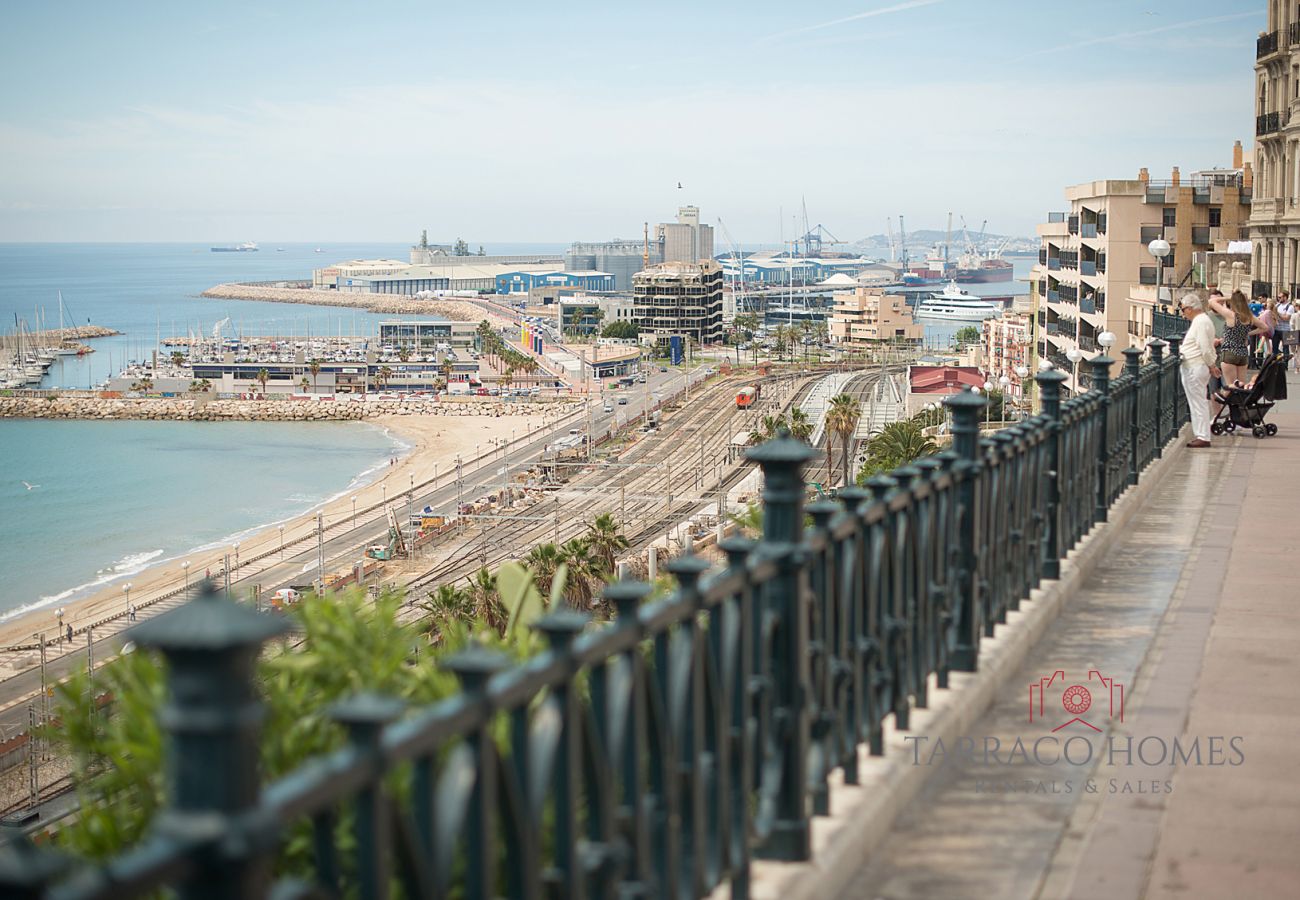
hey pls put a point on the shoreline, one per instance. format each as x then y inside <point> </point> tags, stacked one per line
<point>434,441</point>
<point>458,309</point>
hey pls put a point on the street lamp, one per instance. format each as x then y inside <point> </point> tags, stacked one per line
<point>126,592</point>
<point>236,556</point>
<point>281,542</point>
<point>1106,339</point>
<point>988,407</point>
<point>1159,248</point>
<point>354,511</point>
<point>185,567</point>
<point>1074,354</point>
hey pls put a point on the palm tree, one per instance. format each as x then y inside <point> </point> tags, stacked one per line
<point>304,384</point>
<point>447,604</point>
<point>842,419</point>
<point>583,572</point>
<point>801,427</point>
<point>202,386</point>
<point>486,601</point>
<point>605,540</point>
<point>542,561</point>
<point>403,353</point>
<point>314,368</point>
<point>506,378</point>
<point>805,326</point>
<point>145,384</point>
<point>178,358</point>
<point>262,376</point>
<point>384,374</point>
<point>745,325</point>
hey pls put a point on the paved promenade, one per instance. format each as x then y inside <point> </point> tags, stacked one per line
<point>1195,614</point>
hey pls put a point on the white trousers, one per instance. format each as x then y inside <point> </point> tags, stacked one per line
<point>1196,379</point>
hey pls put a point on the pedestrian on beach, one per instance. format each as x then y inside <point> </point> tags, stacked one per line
<point>69,632</point>
<point>1198,364</point>
<point>130,612</point>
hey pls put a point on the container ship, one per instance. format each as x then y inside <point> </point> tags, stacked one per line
<point>984,271</point>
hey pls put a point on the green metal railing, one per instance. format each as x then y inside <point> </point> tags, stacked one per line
<point>657,754</point>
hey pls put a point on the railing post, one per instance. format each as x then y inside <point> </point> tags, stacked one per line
<point>1157,356</point>
<point>1101,384</point>
<point>966,408</point>
<point>1175,342</point>
<point>1133,369</point>
<point>474,667</point>
<point>1049,384</point>
<point>561,628</point>
<point>211,719</point>
<point>782,461</point>
<point>364,716</point>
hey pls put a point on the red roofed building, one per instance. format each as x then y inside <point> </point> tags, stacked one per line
<point>928,384</point>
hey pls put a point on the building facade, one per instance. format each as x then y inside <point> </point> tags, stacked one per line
<point>1007,341</point>
<point>620,258</point>
<point>1275,212</point>
<point>869,315</point>
<point>686,240</point>
<point>1095,273</point>
<point>524,282</point>
<point>425,336</point>
<point>678,298</point>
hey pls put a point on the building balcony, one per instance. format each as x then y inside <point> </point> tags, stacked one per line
<point>1088,230</point>
<point>1087,268</point>
<point>1293,34</point>
<point>1073,223</point>
<point>1267,208</point>
<point>1054,264</point>
<point>1268,123</point>
<point>1266,45</point>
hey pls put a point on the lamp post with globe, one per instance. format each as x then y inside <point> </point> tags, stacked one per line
<point>1159,248</point>
<point>1022,373</point>
<point>1074,354</point>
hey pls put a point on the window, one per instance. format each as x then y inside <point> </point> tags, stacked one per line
<point>1216,216</point>
<point>1171,217</point>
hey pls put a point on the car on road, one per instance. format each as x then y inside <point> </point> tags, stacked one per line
<point>609,408</point>
<point>663,368</point>
<point>622,401</point>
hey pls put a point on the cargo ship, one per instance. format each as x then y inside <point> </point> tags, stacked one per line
<point>988,270</point>
<point>246,247</point>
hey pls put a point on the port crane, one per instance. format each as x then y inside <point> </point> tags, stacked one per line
<point>738,265</point>
<point>816,237</point>
<point>893,245</point>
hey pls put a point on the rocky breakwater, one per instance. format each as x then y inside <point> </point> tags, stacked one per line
<point>187,409</point>
<point>390,304</point>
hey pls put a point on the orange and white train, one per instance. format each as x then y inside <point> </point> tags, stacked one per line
<point>748,396</point>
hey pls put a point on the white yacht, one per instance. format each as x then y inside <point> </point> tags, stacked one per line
<point>954,303</point>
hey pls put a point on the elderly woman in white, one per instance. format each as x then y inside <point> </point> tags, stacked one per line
<point>1199,361</point>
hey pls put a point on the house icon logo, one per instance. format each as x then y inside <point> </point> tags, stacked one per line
<point>1095,695</point>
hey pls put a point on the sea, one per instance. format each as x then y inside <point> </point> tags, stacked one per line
<point>84,504</point>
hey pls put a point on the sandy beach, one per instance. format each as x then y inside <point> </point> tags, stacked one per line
<point>436,442</point>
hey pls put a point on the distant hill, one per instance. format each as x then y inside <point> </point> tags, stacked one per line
<point>925,237</point>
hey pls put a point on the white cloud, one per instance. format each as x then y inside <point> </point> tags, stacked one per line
<point>857,17</point>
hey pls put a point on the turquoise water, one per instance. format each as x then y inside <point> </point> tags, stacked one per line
<point>115,497</point>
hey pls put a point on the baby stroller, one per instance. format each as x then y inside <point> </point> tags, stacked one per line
<point>1246,407</point>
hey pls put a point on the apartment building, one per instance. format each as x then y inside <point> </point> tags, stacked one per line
<point>868,315</point>
<point>677,298</point>
<point>1007,341</point>
<point>1275,212</point>
<point>1095,272</point>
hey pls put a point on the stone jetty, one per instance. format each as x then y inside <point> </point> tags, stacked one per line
<point>391,304</point>
<point>191,409</point>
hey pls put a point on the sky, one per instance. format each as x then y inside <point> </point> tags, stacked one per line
<point>553,122</point>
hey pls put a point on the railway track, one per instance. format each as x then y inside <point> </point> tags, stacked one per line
<point>654,484</point>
